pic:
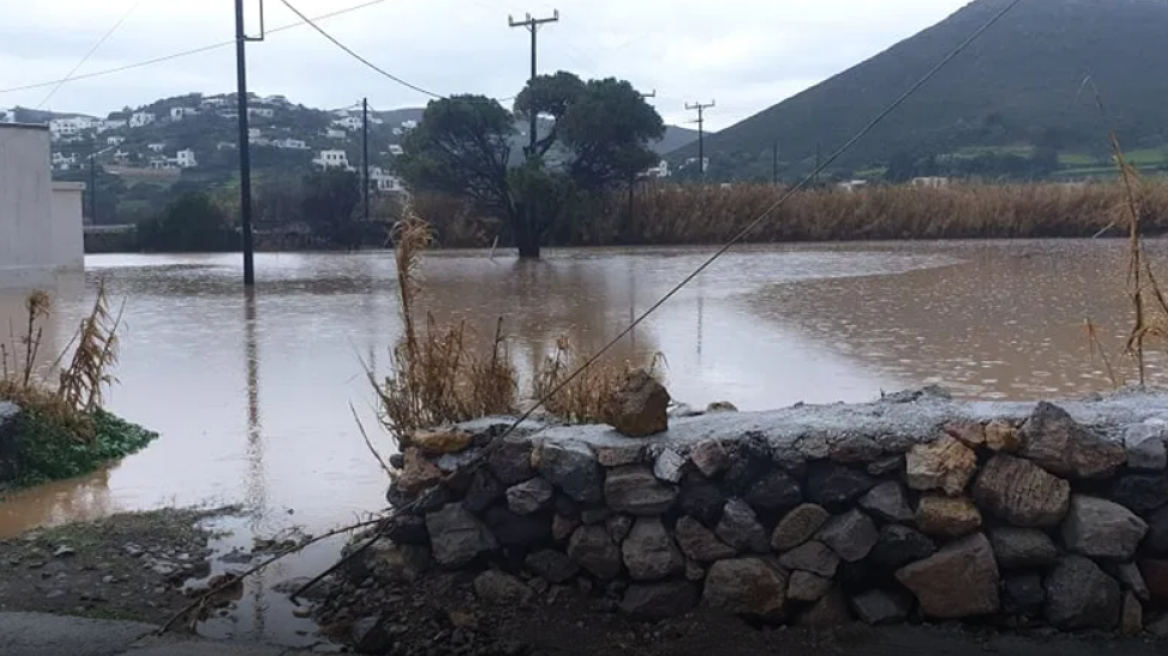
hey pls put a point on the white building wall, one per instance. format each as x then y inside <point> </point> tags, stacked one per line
<point>67,249</point>
<point>33,235</point>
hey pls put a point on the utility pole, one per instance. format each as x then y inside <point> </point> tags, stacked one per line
<point>93,183</point>
<point>775,162</point>
<point>818,163</point>
<point>532,25</point>
<point>633,180</point>
<point>529,245</point>
<point>241,40</point>
<point>701,109</point>
<point>365,155</point>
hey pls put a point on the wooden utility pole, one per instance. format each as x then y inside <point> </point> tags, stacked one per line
<point>529,246</point>
<point>93,181</point>
<point>365,156</point>
<point>775,162</point>
<point>701,109</point>
<point>532,25</point>
<point>241,39</point>
<point>633,181</point>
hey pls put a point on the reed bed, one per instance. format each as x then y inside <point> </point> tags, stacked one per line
<point>670,214</point>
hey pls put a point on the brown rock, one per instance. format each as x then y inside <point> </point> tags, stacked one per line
<point>830,611</point>
<point>639,407</point>
<point>700,543</point>
<point>417,473</point>
<point>1060,445</point>
<point>971,433</point>
<point>960,580</point>
<point>753,587</point>
<point>947,517</point>
<point>710,457</point>
<point>1156,578</point>
<point>798,526</point>
<point>1131,622</point>
<point>944,464</point>
<point>1022,493</point>
<point>1000,435</point>
<point>441,442</point>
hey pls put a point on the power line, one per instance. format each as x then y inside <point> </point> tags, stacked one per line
<point>105,37</point>
<point>185,53</point>
<point>765,214</point>
<point>359,58</point>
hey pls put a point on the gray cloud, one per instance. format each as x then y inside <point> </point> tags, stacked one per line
<point>746,54</point>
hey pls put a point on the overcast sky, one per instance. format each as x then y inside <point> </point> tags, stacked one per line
<point>744,54</point>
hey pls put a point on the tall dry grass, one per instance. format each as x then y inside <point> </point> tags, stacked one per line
<point>670,214</point>
<point>440,374</point>
<point>582,399</point>
<point>79,386</point>
<point>1137,208</point>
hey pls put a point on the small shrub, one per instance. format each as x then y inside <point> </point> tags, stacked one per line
<point>63,430</point>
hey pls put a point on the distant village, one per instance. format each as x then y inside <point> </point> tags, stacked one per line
<point>116,141</point>
<point>133,143</point>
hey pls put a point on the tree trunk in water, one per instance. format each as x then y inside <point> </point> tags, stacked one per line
<point>527,237</point>
<point>528,246</point>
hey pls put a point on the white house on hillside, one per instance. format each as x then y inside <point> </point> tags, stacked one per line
<point>330,159</point>
<point>290,144</point>
<point>385,181</point>
<point>185,159</point>
<point>179,113</point>
<point>659,171</point>
<point>140,119</point>
<point>349,123</point>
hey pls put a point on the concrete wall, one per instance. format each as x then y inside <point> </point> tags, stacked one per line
<point>67,248</point>
<point>36,231</point>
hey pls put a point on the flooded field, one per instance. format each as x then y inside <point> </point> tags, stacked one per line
<point>251,392</point>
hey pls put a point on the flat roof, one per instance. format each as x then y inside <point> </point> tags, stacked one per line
<point>66,185</point>
<point>25,126</point>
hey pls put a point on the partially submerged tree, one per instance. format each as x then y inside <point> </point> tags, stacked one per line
<point>329,205</point>
<point>596,136</point>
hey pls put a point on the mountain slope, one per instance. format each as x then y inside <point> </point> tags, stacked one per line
<point>1020,83</point>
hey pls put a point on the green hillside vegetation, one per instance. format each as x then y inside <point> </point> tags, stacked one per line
<point>130,191</point>
<point>1025,87</point>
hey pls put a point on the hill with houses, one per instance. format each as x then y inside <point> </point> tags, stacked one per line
<point>194,137</point>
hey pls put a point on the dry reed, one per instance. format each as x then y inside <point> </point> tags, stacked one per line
<point>439,376</point>
<point>583,399</point>
<point>671,214</point>
<point>79,388</point>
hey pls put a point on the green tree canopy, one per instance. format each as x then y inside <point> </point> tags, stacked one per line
<point>594,135</point>
<point>193,222</point>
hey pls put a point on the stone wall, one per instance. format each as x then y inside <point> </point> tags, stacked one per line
<point>911,508</point>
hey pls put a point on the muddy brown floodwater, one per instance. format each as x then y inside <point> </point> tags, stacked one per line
<point>251,393</point>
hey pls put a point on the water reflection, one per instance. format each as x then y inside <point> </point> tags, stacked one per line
<point>275,433</point>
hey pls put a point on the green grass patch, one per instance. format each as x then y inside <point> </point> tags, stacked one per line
<point>49,449</point>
